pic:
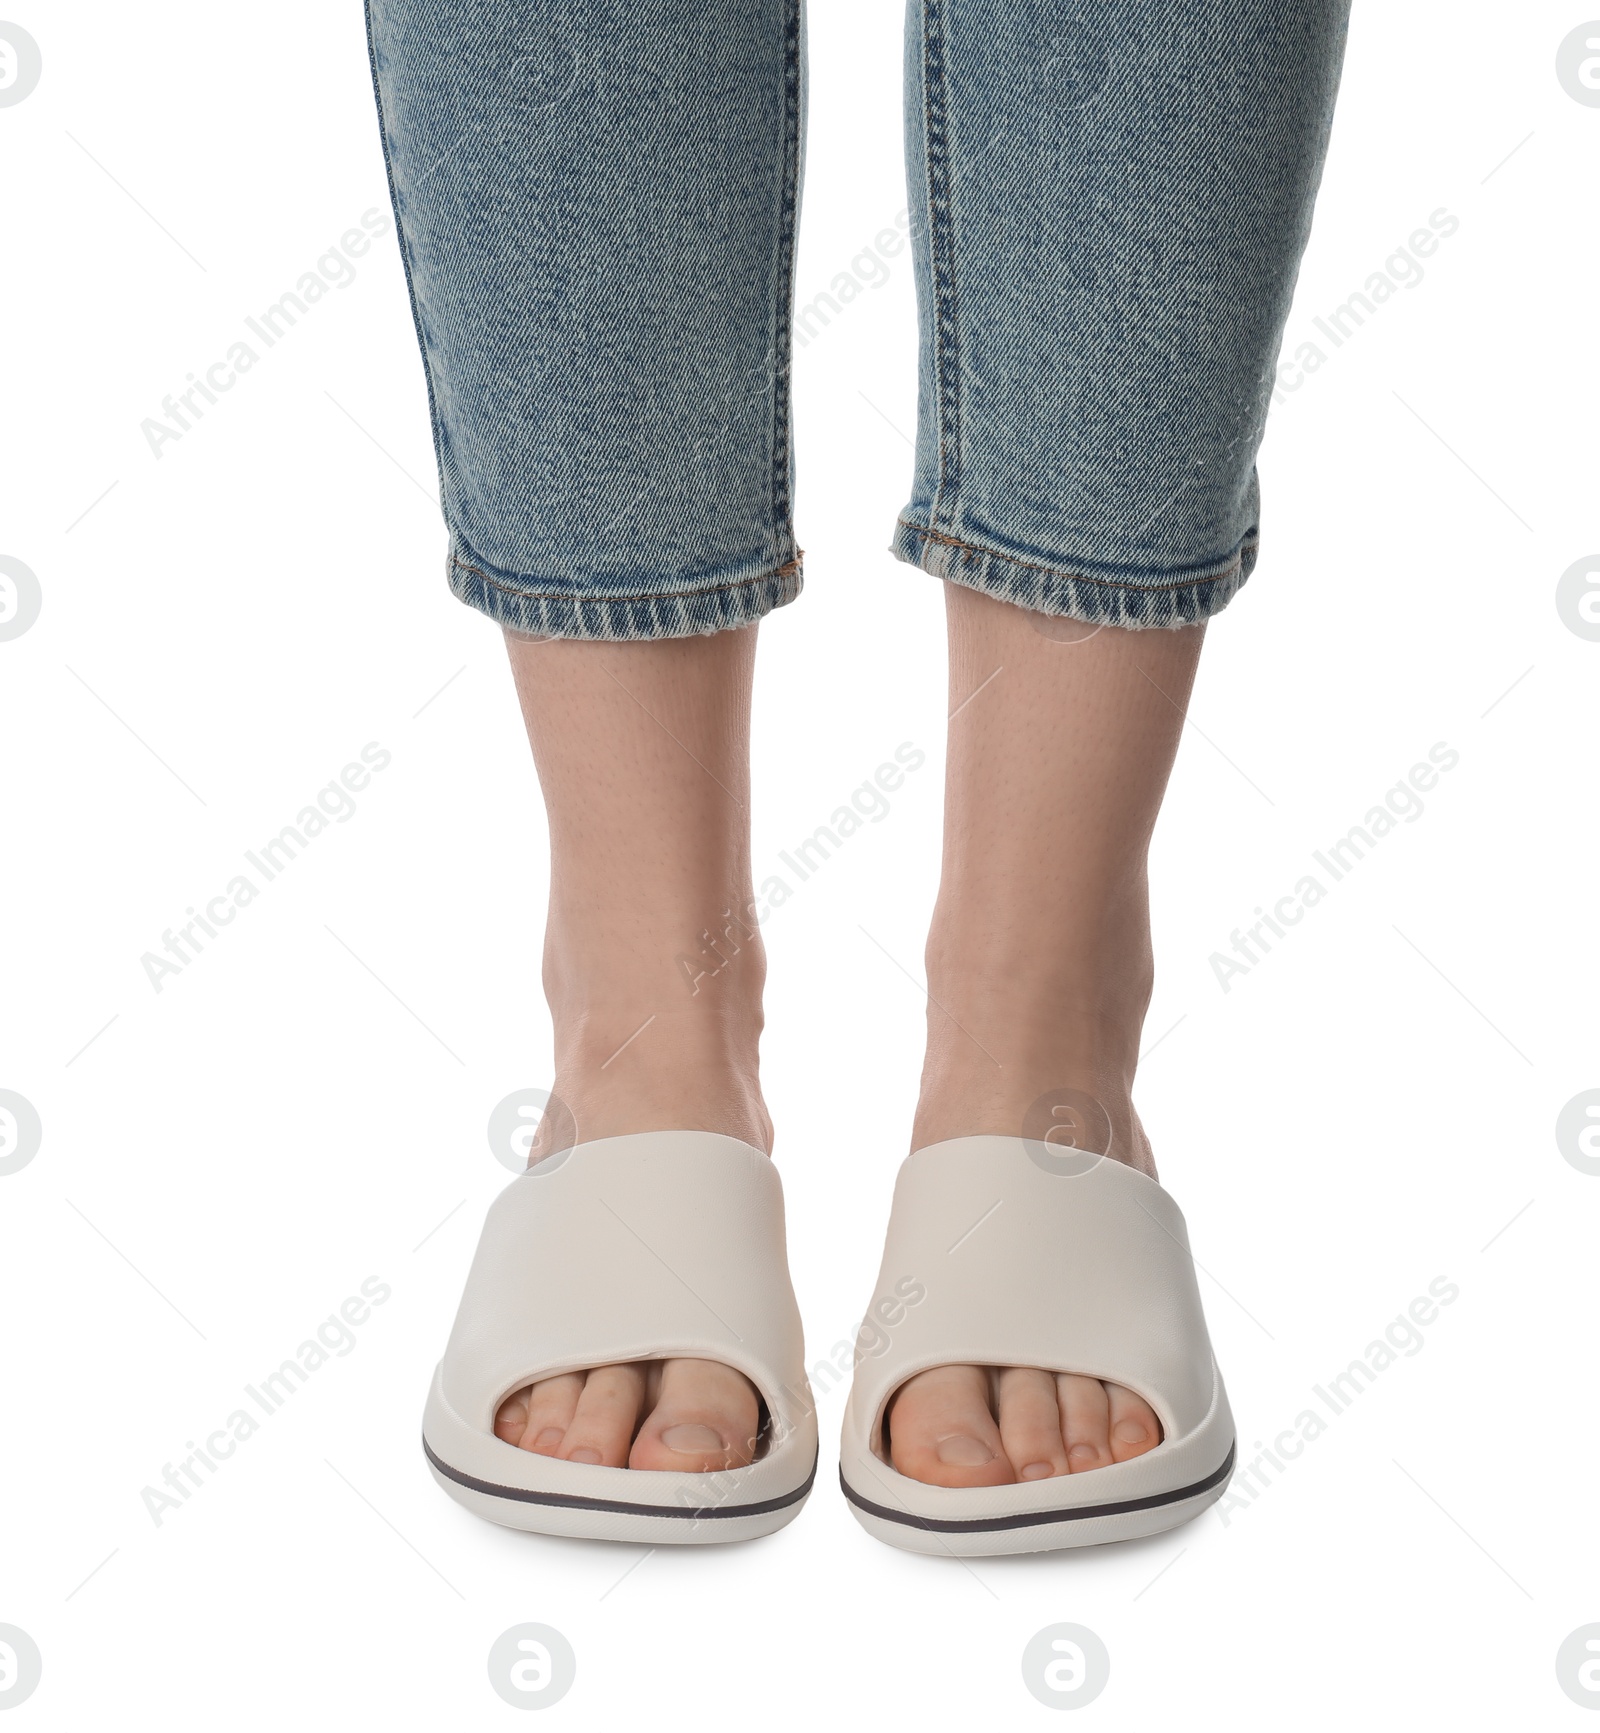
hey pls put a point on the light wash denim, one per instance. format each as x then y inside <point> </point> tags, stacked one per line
<point>597,204</point>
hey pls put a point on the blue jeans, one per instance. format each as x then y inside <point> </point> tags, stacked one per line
<point>597,207</point>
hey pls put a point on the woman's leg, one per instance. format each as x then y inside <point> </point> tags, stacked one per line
<point>1113,201</point>
<point>643,754</point>
<point>596,211</point>
<point>1039,973</point>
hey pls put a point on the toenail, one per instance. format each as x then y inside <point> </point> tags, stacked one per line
<point>1130,1432</point>
<point>1084,1453</point>
<point>1037,1471</point>
<point>584,1454</point>
<point>961,1450</point>
<point>692,1440</point>
<point>549,1439</point>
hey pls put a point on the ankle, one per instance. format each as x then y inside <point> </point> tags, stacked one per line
<point>649,1062</point>
<point>1062,1105</point>
<point>1034,1054</point>
<point>666,1091</point>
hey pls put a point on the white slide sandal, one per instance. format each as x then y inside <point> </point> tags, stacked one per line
<point>1005,1251</point>
<point>667,1244</point>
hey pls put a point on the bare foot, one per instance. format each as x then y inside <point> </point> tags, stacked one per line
<point>692,1416</point>
<point>990,1426</point>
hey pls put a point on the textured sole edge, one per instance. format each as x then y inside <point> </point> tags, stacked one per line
<point>1039,1531</point>
<point>617,1519</point>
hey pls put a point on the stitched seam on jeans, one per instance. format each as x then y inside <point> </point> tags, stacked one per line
<point>650,596</point>
<point>788,215</point>
<point>941,263</point>
<point>436,420</point>
<point>1083,577</point>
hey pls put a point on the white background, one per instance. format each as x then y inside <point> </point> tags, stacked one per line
<point>227,1160</point>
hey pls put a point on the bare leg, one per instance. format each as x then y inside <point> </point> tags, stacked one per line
<point>642,751</point>
<point>1040,971</point>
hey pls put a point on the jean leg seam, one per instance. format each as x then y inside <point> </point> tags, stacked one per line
<point>788,212</point>
<point>436,421</point>
<point>941,263</point>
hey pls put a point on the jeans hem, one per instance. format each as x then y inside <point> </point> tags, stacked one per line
<point>1138,601</point>
<point>718,607</point>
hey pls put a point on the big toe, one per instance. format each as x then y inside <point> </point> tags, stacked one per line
<point>1134,1426</point>
<point>943,1432</point>
<point>706,1417</point>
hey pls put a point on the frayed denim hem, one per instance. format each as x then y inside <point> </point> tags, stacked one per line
<point>1140,604</point>
<point>618,619</point>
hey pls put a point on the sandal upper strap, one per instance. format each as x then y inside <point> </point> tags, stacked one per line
<point>1004,1251</point>
<point>632,1248</point>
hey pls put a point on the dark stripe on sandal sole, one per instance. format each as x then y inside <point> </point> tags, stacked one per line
<point>617,1506</point>
<point>1036,1518</point>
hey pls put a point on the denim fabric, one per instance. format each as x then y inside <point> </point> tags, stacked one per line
<point>1116,196</point>
<point>597,210</point>
<point>596,207</point>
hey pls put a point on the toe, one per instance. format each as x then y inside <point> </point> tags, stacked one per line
<point>1030,1423</point>
<point>549,1408</point>
<point>607,1413</point>
<point>511,1421</point>
<point>705,1418</point>
<point>943,1432</point>
<point>1134,1427</point>
<point>1085,1422</point>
